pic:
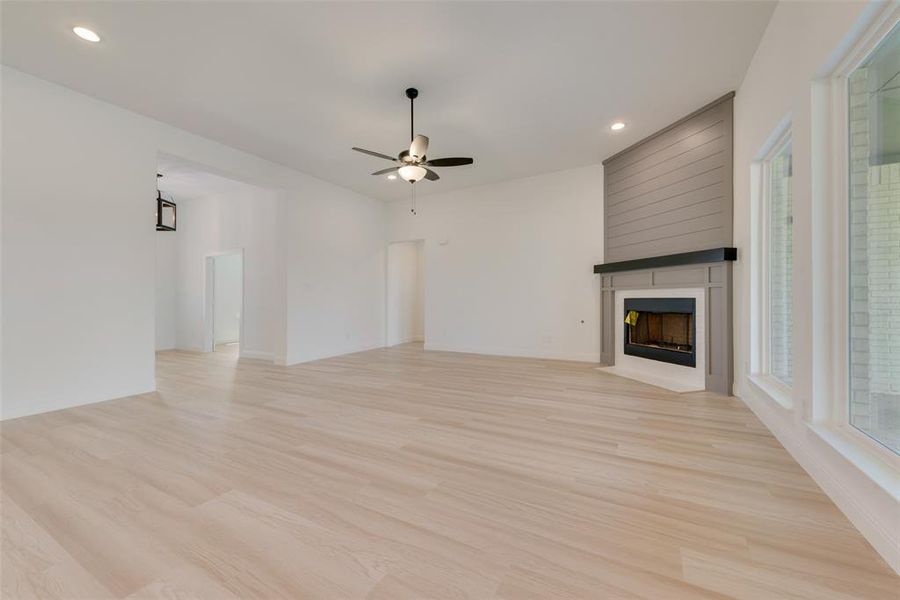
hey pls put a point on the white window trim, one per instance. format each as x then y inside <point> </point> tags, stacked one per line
<point>760,375</point>
<point>830,409</point>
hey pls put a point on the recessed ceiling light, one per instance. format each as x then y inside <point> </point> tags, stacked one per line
<point>617,126</point>
<point>86,34</point>
<point>392,176</point>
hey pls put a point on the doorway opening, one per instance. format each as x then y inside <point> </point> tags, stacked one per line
<point>217,273</point>
<point>224,302</point>
<point>405,293</point>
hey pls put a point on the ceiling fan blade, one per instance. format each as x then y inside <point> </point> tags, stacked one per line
<point>371,153</point>
<point>385,171</point>
<point>431,175</point>
<point>419,147</point>
<point>449,162</point>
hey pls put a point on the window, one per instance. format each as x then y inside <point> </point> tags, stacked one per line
<point>771,365</point>
<point>778,197</point>
<point>873,100</point>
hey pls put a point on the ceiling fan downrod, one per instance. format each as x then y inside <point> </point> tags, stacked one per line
<point>412,94</point>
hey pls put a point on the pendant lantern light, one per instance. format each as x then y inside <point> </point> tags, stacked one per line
<point>165,210</point>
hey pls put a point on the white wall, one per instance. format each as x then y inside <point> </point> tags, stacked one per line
<point>800,43</point>
<point>405,293</point>
<point>79,253</point>
<point>228,293</point>
<point>419,322</point>
<point>509,266</point>
<point>336,275</point>
<point>79,247</point>
<point>166,276</point>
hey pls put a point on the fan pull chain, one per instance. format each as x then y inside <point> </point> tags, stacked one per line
<point>413,199</point>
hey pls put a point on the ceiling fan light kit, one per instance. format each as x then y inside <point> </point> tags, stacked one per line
<point>412,173</point>
<point>412,165</point>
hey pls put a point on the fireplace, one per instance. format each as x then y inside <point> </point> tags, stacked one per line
<point>662,329</point>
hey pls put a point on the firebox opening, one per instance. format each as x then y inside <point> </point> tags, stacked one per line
<point>671,331</point>
<point>661,329</point>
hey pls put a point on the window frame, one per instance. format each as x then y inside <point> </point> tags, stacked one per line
<point>760,367</point>
<point>829,412</point>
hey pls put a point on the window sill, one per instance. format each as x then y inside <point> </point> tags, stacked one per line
<point>879,464</point>
<point>774,389</point>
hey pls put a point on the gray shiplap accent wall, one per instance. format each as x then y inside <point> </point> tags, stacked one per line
<point>672,192</point>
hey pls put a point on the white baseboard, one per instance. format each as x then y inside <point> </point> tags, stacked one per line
<point>257,355</point>
<point>411,340</point>
<point>516,352</point>
<point>870,508</point>
<point>6,415</point>
<point>188,348</point>
<point>350,350</point>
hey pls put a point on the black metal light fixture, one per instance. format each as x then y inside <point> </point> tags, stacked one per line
<point>165,210</point>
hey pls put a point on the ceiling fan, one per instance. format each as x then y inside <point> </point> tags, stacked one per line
<point>413,165</point>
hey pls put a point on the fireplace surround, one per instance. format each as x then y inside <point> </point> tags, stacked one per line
<point>704,276</point>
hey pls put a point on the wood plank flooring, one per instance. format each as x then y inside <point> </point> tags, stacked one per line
<point>401,473</point>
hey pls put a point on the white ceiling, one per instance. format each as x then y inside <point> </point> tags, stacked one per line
<point>183,180</point>
<point>524,88</point>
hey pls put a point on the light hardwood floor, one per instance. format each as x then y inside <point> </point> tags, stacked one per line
<point>400,473</point>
